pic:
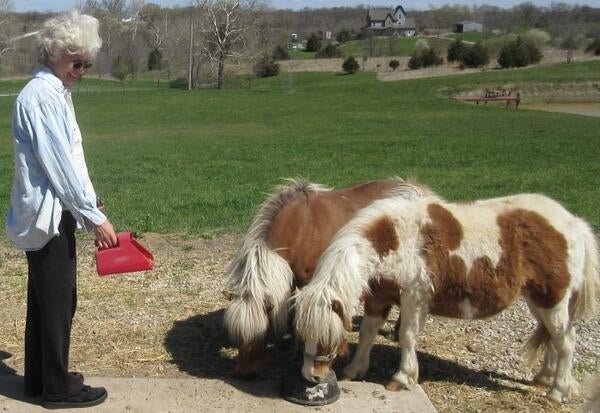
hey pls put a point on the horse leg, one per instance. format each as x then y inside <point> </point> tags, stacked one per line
<point>249,357</point>
<point>359,365</point>
<point>562,336</point>
<point>412,313</point>
<point>545,376</point>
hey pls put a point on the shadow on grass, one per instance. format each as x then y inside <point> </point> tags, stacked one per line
<point>199,346</point>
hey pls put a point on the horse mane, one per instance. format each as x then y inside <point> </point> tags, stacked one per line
<point>409,188</point>
<point>258,278</point>
<point>259,233</point>
<point>343,272</point>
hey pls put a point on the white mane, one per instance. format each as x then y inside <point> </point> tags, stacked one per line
<point>258,274</point>
<point>343,274</point>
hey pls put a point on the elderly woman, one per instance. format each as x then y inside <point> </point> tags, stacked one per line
<point>52,196</point>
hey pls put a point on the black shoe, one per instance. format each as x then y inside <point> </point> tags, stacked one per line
<point>87,397</point>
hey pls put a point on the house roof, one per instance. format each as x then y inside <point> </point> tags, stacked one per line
<point>379,14</point>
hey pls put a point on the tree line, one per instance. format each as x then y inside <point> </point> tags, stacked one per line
<point>193,43</point>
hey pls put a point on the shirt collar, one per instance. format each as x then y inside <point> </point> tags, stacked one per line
<point>43,72</point>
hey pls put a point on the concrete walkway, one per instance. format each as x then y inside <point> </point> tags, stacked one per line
<point>147,395</point>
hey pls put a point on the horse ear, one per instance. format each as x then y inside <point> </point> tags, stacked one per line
<point>229,295</point>
<point>337,308</point>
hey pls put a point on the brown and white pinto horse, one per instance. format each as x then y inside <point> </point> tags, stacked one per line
<point>467,261</point>
<point>279,253</point>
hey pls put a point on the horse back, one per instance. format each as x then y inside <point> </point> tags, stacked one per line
<point>483,256</point>
<point>304,227</point>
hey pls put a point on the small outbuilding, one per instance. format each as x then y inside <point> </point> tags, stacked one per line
<point>467,26</point>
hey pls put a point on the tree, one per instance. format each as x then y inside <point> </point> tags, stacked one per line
<point>6,42</point>
<point>594,47</point>
<point>225,26</point>
<point>350,65</point>
<point>425,57</point>
<point>569,44</point>
<point>119,68</point>
<point>475,56</point>
<point>313,43</point>
<point>329,51</point>
<point>155,60</point>
<point>394,64</point>
<point>343,36</point>
<point>280,53</point>
<point>519,53</point>
<point>266,67</point>
<point>456,51</point>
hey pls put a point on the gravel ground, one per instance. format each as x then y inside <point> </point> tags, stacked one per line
<point>167,323</point>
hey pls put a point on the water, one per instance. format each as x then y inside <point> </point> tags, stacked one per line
<point>578,108</point>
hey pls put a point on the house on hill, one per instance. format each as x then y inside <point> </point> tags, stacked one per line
<point>467,26</point>
<point>386,22</point>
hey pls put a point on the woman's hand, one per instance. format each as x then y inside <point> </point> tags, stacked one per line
<point>105,235</point>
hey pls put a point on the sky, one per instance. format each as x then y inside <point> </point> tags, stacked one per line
<point>60,5</point>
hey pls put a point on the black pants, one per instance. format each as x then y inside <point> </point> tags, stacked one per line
<point>51,302</point>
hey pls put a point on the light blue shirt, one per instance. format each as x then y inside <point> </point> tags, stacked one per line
<point>50,173</point>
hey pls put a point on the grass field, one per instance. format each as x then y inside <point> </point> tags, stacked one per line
<point>200,162</point>
<point>390,46</point>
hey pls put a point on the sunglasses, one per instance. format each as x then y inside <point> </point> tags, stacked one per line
<point>78,64</point>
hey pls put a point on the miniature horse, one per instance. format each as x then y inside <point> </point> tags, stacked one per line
<point>280,252</point>
<point>467,261</point>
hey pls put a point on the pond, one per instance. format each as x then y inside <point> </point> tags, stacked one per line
<point>578,108</point>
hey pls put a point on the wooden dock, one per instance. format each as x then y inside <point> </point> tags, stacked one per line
<point>495,95</point>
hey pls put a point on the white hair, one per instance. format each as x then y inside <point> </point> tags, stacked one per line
<point>69,33</point>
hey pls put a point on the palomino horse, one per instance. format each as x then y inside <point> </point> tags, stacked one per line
<point>467,261</point>
<point>280,252</point>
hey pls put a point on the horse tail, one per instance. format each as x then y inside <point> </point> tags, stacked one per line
<point>536,344</point>
<point>259,280</point>
<point>583,302</point>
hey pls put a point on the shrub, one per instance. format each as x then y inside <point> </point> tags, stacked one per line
<point>394,64</point>
<point>155,60</point>
<point>424,58</point>
<point>538,36</point>
<point>343,36</point>
<point>279,53</point>
<point>456,51</point>
<point>350,65</point>
<point>328,51</point>
<point>119,68</point>
<point>594,47</point>
<point>313,43</point>
<point>475,56</point>
<point>519,53</point>
<point>421,44</point>
<point>266,67</point>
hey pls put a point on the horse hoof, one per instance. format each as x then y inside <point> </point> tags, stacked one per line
<point>345,378</point>
<point>393,385</point>
<point>556,396</point>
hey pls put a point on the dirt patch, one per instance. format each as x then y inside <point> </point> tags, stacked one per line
<point>167,323</point>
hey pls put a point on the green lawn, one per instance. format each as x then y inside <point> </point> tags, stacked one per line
<point>390,46</point>
<point>200,162</point>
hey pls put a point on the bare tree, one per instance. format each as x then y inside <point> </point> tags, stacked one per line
<point>6,42</point>
<point>225,26</point>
